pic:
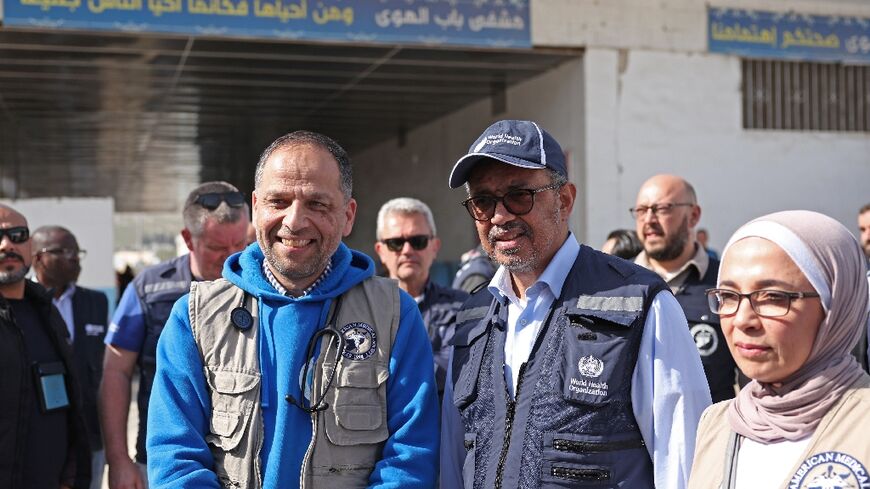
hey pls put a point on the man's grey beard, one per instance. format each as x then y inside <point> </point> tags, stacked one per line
<point>673,247</point>
<point>8,278</point>
<point>528,264</point>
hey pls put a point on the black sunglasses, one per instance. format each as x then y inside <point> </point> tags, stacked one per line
<point>518,202</point>
<point>212,200</point>
<point>17,234</point>
<point>418,242</point>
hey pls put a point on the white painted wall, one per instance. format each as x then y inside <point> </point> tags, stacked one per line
<point>90,220</point>
<point>681,113</point>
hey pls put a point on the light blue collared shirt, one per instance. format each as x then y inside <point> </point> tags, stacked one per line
<point>525,317</point>
<point>64,307</point>
<point>668,391</point>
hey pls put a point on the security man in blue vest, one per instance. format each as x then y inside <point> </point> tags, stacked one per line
<point>666,213</point>
<point>216,217</point>
<point>572,367</point>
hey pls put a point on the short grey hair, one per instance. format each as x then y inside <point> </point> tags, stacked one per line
<point>405,205</point>
<point>196,215</point>
<point>303,138</point>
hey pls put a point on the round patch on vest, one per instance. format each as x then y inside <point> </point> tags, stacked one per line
<point>706,339</point>
<point>590,366</point>
<point>360,340</point>
<point>830,470</point>
<point>241,318</point>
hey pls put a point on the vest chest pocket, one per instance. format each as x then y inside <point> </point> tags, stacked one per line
<point>595,357</point>
<point>234,397</point>
<point>357,403</point>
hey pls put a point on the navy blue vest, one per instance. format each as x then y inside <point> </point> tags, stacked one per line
<point>571,421</point>
<point>719,365</point>
<point>158,288</point>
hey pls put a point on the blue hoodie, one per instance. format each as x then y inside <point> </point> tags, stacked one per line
<point>180,406</point>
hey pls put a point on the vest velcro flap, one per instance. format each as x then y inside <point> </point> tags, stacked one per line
<point>358,401</point>
<point>234,396</point>
<point>360,373</point>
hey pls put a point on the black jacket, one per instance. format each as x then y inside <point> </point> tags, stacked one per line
<point>90,314</point>
<point>17,394</point>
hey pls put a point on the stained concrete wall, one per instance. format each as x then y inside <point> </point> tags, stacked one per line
<point>681,113</point>
<point>421,167</point>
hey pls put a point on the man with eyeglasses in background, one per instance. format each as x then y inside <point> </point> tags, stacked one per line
<point>407,246</point>
<point>571,367</point>
<point>57,264</point>
<point>666,213</point>
<point>43,439</point>
<point>216,220</point>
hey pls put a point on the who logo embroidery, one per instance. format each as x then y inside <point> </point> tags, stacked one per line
<point>590,366</point>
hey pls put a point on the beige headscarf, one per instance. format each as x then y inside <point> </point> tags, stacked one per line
<point>832,260</point>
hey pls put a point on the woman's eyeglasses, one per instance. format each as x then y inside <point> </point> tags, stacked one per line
<point>418,242</point>
<point>769,303</point>
<point>518,202</point>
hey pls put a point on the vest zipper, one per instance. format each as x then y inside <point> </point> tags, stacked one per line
<point>306,460</point>
<point>582,447</point>
<point>508,426</point>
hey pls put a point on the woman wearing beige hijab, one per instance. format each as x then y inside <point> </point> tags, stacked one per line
<point>792,297</point>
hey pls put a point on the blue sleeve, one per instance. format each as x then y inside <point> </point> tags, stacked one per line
<point>410,455</point>
<point>452,436</point>
<point>179,410</point>
<point>127,329</point>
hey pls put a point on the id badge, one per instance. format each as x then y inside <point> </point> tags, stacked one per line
<point>51,386</point>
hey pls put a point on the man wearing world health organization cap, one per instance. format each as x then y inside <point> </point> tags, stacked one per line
<point>572,367</point>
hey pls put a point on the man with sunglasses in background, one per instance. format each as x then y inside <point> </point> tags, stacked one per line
<point>299,368</point>
<point>665,215</point>
<point>572,367</point>
<point>43,439</point>
<point>407,246</point>
<point>216,220</point>
<point>56,262</point>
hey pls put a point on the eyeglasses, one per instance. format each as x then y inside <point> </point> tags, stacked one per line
<point>68,253</point>
<point>17,234</point>
<point>518,202</point>
<point>768,303</point>
<point>418,242</point>
<point>659,210</point>
<point>212,201</point>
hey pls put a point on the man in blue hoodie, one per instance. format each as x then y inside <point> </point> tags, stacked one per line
<point>300,368</point>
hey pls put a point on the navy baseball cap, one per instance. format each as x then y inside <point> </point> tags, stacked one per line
<point>518,143</point>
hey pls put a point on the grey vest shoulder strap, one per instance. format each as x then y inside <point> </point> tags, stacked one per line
<point>231,366</point>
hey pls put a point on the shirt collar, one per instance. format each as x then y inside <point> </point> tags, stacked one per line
<point>280,288</point>
<point>67,294</point>
<point>553,278</point>
<point>700,260</point>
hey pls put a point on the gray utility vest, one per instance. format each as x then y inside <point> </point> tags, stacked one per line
<point>571,422</point>
<point>347,437</point>
<point>158,288</point>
